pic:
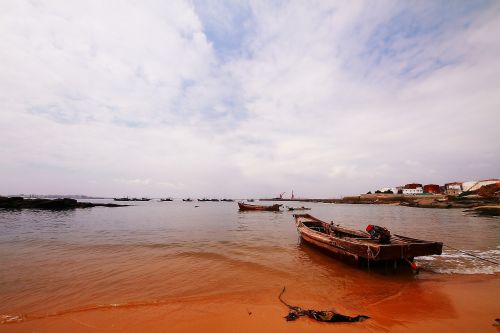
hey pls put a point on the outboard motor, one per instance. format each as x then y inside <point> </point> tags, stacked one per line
<point>379,233</point>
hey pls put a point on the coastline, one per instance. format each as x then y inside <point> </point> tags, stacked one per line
<point>418,201</point>
<point>439,302</point>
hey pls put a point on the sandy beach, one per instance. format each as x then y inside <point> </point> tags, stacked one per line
<point>444,303</point>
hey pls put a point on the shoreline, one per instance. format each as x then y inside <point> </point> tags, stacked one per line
<point>438,302</point>
<point>488,205</point>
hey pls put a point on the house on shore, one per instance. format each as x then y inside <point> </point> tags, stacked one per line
<point>476,185</point>
<point>413,189</point>
<point>387,189</point>
<point>432,188</point>
<point>454,188</point>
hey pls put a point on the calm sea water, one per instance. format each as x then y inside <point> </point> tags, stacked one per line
<point>155,251</point>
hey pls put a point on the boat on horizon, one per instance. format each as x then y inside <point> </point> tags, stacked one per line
<point>122,199</point>
<point>298,208</point>
<point>362,247</point>
<point>245,207</point>
<point>131,199</point>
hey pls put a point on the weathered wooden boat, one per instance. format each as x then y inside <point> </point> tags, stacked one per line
<point>359,246</point>
<point>273,208</point>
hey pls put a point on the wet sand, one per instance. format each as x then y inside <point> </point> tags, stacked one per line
<point>439,303</point>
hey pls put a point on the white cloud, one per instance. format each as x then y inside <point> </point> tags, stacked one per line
<point>324,98</point>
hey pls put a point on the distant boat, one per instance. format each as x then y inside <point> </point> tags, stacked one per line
<point>131,199</point>
<point>273,208</point>
<point>167,199</point>
<point>298,208</point>
<point>188,199</point>
<point>250,200</point>
<point>227,200</point>
<point>122,199</point>
<point>360,246</point>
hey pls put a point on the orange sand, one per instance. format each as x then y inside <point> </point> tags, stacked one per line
<point>442,303</point>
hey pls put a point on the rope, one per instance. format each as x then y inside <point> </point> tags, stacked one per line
<point>282,301</point>
<point>472,255</point>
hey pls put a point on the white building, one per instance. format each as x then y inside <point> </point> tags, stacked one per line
<point>453,188</point>
<point>413,191</point>
<point>392,189</point>
<point>476,185</point>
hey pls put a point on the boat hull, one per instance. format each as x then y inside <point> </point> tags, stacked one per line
<point>248,207</point>
<point>359,246</point>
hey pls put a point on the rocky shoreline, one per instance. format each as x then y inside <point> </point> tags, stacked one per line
<point>480,205</point>
<point>48,204</point>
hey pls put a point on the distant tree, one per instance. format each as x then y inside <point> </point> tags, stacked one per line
<point>378,191</point>
<point>369,192</point>
<point>388,192</point>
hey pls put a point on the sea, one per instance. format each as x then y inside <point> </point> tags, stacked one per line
<point>58,262</point>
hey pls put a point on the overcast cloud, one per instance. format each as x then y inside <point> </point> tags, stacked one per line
<point>246,99</point>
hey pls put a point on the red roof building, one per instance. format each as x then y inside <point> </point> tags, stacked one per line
<point>412,186</point>
<point>432,188</point>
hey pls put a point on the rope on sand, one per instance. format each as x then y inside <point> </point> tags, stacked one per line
<point>327,316</point>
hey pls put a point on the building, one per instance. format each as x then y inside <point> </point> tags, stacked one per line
<point>432,188</point>
<point>454,188</point>
<point>386,189</point>
<point>476,185</point>
<point>413,191</point>
<point>412,186</point>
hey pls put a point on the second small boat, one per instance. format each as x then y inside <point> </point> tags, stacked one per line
<point>273,208</point>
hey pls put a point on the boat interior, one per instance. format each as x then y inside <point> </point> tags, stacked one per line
<point>316,226</point>
<point>334,231</point>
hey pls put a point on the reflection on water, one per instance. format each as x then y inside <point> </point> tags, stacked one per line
<point>158,252</point>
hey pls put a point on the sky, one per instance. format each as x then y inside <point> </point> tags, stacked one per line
<point>246,98</point>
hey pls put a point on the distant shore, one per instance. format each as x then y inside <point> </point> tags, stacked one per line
<point>49,204</point>
<point>422,201</point>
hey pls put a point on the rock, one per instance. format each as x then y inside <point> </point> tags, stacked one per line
<point>48,204</point>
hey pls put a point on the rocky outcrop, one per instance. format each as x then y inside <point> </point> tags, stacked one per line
<point>48,204</point>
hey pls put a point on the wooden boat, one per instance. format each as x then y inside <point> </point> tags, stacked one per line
<point>273,208</point>
<point>359,246</point>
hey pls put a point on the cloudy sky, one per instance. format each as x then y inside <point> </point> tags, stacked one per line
<point>246,99</point>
